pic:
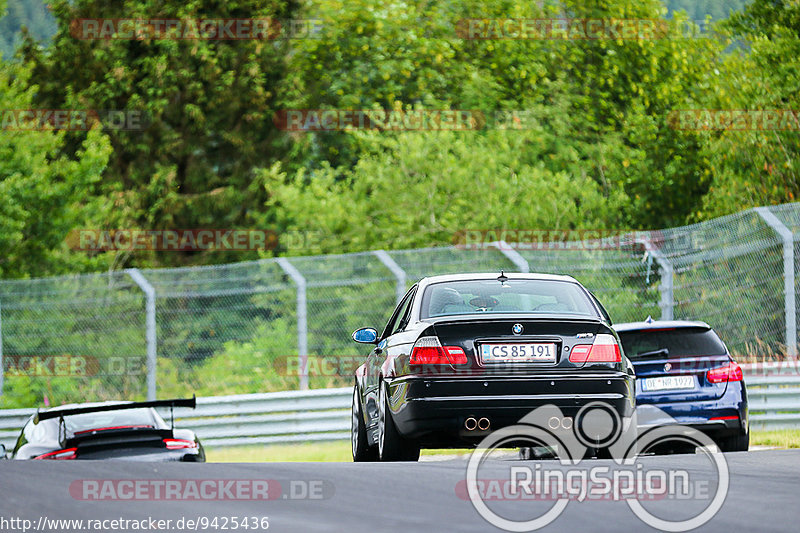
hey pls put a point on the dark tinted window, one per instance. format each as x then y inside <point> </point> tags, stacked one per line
<point>512,296</point>
<point>680,342</point>
<point>399,312</point>
<point>107,419</point>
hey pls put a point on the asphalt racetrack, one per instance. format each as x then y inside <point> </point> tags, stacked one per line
<point>763,496</point>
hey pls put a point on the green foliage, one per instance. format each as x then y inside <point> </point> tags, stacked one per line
<point>758,167</point>
<point>439,173</point>
<point>42,189</point>
<point>209,108</point>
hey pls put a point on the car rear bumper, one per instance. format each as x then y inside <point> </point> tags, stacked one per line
<point>723,417</point>
<point>140,455</point>
<point>434,410</point>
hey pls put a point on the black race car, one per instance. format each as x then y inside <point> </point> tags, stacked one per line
<point>109,430</point>
<point>465,354</point>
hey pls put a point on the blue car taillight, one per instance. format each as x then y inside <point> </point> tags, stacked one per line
<point>722,374</point>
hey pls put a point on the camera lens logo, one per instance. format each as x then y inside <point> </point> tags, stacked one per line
<point>595,431</point>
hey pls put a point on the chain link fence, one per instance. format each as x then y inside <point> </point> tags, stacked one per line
<point>251,326</point>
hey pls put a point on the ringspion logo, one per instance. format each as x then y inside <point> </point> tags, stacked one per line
<point>571,479</point>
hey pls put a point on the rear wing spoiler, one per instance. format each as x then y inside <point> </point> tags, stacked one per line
<point>60,413</point>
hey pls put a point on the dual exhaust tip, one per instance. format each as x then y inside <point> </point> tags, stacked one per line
<point>472,423</point>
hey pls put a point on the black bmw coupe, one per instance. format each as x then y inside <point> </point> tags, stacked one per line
<point>466,354</point>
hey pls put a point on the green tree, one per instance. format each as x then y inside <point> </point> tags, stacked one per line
<point>604,103</point>
<point>42,189</point>
<point>209,107</point>
<point>758,166</point>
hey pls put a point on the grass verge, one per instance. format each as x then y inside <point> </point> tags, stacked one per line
<point>340,450</point>
<point>782,438</point>
<point>301,452</point>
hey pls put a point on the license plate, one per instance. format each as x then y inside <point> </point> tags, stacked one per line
<point>518,353</point>
<point>668,383</point>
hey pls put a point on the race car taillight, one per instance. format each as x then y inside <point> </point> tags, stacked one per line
<point>68,453</point>
<point>429,351</point>
<point>179,444</point>
<point>604,350</point>
<point>729,372</point>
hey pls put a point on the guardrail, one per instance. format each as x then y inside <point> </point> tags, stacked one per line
<point>324,414</point>
<point>269,418</point>
<point>773,393</point>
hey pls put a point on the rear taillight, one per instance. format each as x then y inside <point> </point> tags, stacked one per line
<point>179,444</point>
<point>604,350</point>
<point>429,351</point>
<point>69,453</point>
<point>729,372</point>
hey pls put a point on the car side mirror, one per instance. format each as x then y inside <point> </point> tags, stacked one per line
<point>366,335</point>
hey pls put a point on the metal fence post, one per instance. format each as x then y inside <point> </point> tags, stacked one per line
<point>398,272</point>
<point>150,326</point>
<point>667,302</point>
<point>512,255</point>
<point>302,318</point>
<point>790,311</point>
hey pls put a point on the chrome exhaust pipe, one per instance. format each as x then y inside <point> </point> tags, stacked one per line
<point>483,424</point>
<point>470,424</point>
<point>564,423</point>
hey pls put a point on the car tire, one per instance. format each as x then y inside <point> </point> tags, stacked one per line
<point>362,451</point>
<point>531,453</point>
<point>737,443</point>
<point>670,448</point>
<point>625,446</point>
<point>392,446</point>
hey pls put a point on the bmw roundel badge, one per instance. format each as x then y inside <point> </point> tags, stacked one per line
<point>516,329</point>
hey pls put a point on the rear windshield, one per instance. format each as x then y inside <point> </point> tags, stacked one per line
<point>512,296</point>
<point>109,419</point>
<point>681,342</point>
<point>48,429</point>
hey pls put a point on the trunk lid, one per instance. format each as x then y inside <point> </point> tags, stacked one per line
<point>132,439</point>
<point>495,344</point>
